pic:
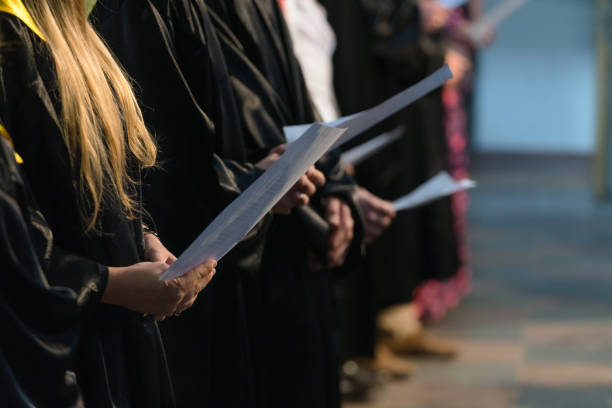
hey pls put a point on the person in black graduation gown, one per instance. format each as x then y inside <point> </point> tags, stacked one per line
<point>300,354</point>
<point>189,105</point>
<point>40,329</point>
<point>118,358</point>
<point>385,47</point>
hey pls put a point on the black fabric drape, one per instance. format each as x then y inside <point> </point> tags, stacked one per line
<point>391,54</point>
<point>299,317</point>
<point>40,322</point>
<point>381,48</point>
<point>171,50</point>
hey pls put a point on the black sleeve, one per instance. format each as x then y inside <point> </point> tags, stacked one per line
<point>195,181</point>
<point>39,321</point>
<point>396,37</point>
<point>202,63</point>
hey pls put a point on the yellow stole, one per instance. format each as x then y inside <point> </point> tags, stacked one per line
<point>16,8</point>
<point>5,134</point>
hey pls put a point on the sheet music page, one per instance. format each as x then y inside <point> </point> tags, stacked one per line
<point>293,133</point>
<point>359,123</point>
<point>437,187</point>
<point>238,218</point>
<point>360,153</point>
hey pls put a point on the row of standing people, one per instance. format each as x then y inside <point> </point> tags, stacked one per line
<point>419,268</point>
<point>133,120</point>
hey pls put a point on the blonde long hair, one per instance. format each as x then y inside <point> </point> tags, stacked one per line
<point>101,122</point>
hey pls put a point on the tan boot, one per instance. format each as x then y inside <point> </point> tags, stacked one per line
<point>387,362</point>
<point>400,320</point>
<point>420,343</point>
<point>402,332</point>
<point>386,365</point>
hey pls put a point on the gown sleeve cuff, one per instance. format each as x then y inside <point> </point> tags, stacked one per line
<point>88,279</point>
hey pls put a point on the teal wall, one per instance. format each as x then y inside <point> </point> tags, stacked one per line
<point>536,86</point>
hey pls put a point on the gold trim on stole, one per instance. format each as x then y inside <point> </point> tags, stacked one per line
<point>5,134</point>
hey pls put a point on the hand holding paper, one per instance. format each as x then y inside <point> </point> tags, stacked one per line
<point>301,192</point>
<point>437,187</point>
<point>237,219</point>
<point>376,214</point>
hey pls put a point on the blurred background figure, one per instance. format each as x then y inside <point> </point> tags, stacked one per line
<point>407,42</point>
<point>527,116</point>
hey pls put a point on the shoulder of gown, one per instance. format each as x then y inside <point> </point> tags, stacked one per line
<point>28,117</point>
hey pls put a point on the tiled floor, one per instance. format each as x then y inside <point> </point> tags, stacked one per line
<point>536,332</point>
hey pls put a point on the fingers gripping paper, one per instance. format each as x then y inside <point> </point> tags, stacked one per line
<point>360,122</point>
<point>237,219</point>
<point>439,186</point>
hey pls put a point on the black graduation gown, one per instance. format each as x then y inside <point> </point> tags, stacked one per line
<point>383,49</point>
<point>40,324</point>
<point>169,50</point>
<point>119,360</point>
<point>299,319</point>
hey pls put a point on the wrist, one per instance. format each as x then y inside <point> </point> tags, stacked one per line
<point>150,237</point>
<point>148,231</point>
<point>113,292</point>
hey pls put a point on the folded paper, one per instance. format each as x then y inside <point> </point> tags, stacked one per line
<point>368,149</point>
<point>437,187</point>
<point>360,122</point>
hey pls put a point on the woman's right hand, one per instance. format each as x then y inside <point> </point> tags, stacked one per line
<point>301,191</point>
<point>138,288</point>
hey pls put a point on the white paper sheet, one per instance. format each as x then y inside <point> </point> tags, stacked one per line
<point>237,219</point>
<point>360,122</point>
<point>293,133</point>
<point>477,30</point>
<point>452,3</point>
<point>359,153</point>
<point>437,187</point>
